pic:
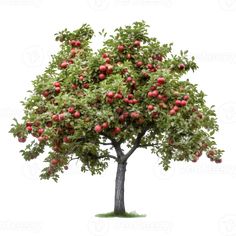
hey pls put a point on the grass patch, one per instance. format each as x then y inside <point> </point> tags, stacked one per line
<point>125,215</point>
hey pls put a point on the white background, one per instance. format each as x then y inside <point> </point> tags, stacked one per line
<point>191,198</point>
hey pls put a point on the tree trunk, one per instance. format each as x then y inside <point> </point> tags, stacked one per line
<point>119,190</point>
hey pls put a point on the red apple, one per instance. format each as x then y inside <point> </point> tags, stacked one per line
<point>58,89</point>
<point>102,68</point>
<point>81,78</point>
<point>29,128</point>
<point>155,93</point>
<point>172,112</point>
<point>71,110</point>
<point>137,43</point>
<point>176,108</point>
<point>86,85</point>
<point>121,48</point>
<point>178,103</point>
<point>105,125</point>
<point>149,66</point>
<point>128,56</point>
<point>117,130</point>
<point>129,79</point>
<point>130,96</point>
<point>21,140</point>
<point>40,139</point>
<point>56,84</point>
<point>161,80</point>
<point>110,94</point>
<point>186,97</point>
<point>139,63</point>
<point>101,76</point>
<point>134,115</point>
<point>183,103</point>
<point>54,162</point>
<point>64,65</point>
<point>150,107</point>
<point>98,128</point>
<point>74,86</point>
<point>181,66</point>
<point>45,93</point>
<point>40,131</point>
<point>55,118</point>
<point>76,114</point>
<point>150,94</point>
<point>66,139</point>
<point>119,110</point>
<point>104,55</point>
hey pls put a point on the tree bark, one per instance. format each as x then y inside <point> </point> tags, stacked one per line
<point>119,207</point>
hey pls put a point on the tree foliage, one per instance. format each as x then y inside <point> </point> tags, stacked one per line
<point>130,92</point>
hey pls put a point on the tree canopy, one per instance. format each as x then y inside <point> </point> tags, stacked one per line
<point>130,92</point>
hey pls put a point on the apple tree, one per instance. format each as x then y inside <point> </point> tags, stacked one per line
<point>91,106</point>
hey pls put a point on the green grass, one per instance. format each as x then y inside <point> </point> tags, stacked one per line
<point>125,215</point>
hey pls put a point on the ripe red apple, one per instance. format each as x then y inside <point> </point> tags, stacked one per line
<point>64,65</point>
<point>122,118</point>
<point>45,93</point>
<point>29,128</point>
<point>58,89</point>
<point>81,78</point>
<point>66,139</point>
<point>110,94</point>
<point>40,131</point>
<point>130,96</point>
<point>21,140</point>
<point>108,60</point>
<point>135,101</point>
<point>183,103</point>
<point>172,112</point>
<point>181,66</point>
<point>117,130</point>
<point>129,79</point>
<point>118,96</point>
<point>49,124</point>
<point>134,115</point>
<point>186,97</point>
<point>150,94</point>
<point>155,93</point>
<point>61,116</point>
<point>66,167</point>
<point>40,139</point>
<point>178,103</point>
<point>121,48</point>
<point>86,85</point>
<point>128,56</point>
<point>104,55</point>
<point>74,86</point>
<point>101,76</point>
<point>109,100</point>
<point>161,80</point>
<point>218,161</point>
<point>55,118</point>
<point>98,128</point>
<point>71,110</point>
<point>72,42</point>
<point>105,125</point>
<point>139,63</point>
<point>150,107</point>
<point>77,114</point>
<point>176,108</point>
<point>77,43</point>
<point>137,43</point>
<point>149,66</point>
<point>73,52</point>
<point>56,84</point>
<point>54,161</point>
<point>102,68</point>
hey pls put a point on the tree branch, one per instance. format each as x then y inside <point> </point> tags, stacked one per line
<point>148,145</point>
<point>136,144</point>
<point>105,143</point>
